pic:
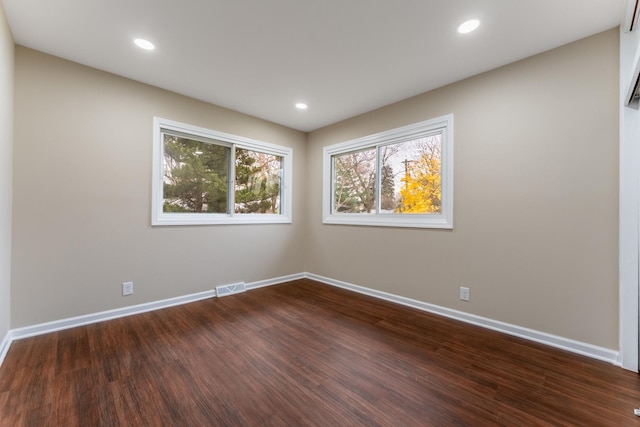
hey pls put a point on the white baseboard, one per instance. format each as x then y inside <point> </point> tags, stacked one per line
<point>578,347</point>
<point>72,322</point>
<point>275,281</point>
<point>4,346</point>
<point>573,346</point>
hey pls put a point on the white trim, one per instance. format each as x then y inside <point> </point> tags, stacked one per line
<point>4,346</point>
<point>573,346</point>
<point>443,124</point>
<point>72,322</point>
<point>629,211</point>
<point>585,349</point>
<point>630,16</point>
<point>275,281</point>
<point>629,251</point>
<point>631,84</point>
<point>159,217</point>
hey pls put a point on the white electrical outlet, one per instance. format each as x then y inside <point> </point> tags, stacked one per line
<point>464,293</point>
<point>127,288</point>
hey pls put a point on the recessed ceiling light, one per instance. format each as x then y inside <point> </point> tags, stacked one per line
<point>144,44</point>
<point>468,26</point>
<point>301,106</point>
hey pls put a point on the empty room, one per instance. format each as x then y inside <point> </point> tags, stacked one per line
<point>289,213</point>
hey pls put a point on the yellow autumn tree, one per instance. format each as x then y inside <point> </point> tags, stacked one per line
<point>421,189</point>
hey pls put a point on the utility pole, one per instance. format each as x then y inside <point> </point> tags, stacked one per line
<point>406,179</point>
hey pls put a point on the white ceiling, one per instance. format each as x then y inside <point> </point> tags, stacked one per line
<point>342,57</point>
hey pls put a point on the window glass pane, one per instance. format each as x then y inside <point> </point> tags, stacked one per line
<point>411,176</point>
<point>195,176</point>
<point>257,184</point>
<point>354,176</point>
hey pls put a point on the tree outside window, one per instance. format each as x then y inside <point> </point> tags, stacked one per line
<point>202,176</point>
<point>410,178</point>
<point>402,177</point>
<point>196,176</point>
<point>257,183</point>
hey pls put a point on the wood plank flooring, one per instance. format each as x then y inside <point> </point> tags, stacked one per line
<point>304,354</point>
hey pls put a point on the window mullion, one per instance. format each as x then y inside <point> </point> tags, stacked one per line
<point>231,194</point>
<point>332,200</point>
<point>378,180</point>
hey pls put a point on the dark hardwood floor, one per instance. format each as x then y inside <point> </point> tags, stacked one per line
<point>304,354</point>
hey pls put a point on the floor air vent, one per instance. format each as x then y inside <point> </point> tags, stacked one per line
<point>235,288</point>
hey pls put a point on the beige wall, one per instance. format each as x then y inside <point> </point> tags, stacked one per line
<point>536,201</point>
<point>536,198</point>
<point>82,185</point>
<point>6,146</point>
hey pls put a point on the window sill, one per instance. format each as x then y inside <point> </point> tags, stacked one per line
<point>417,221</point>
<point>222,219</point>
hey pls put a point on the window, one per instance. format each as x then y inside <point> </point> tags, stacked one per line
<point>202,176</point>
<point>399,178</point>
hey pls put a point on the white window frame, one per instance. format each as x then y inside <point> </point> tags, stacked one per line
<point>443,125</point>
<point>159,217</point>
